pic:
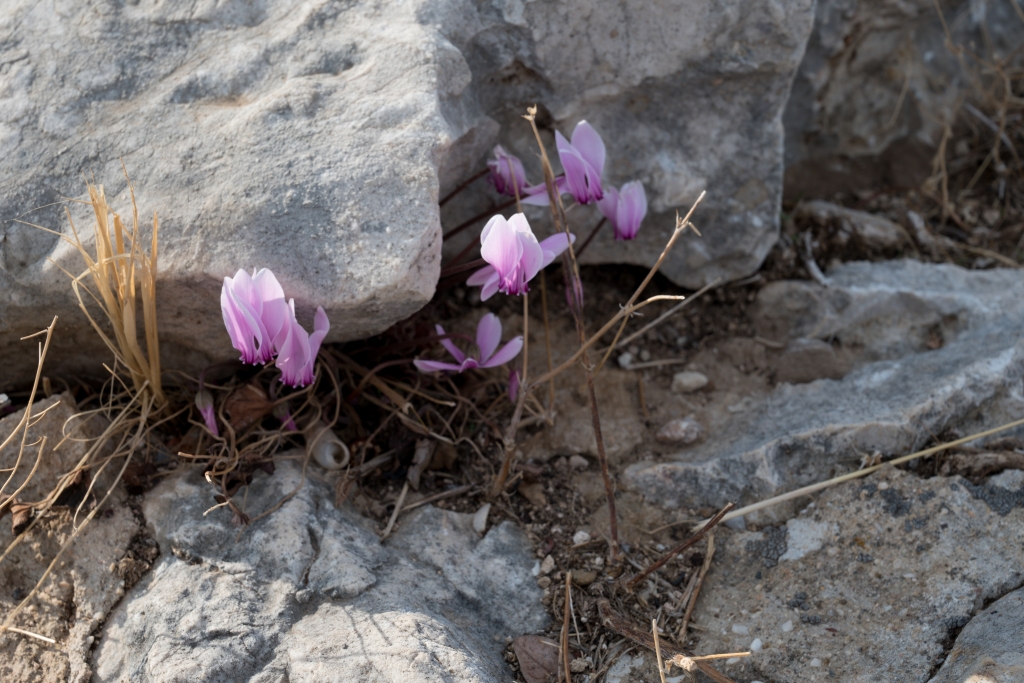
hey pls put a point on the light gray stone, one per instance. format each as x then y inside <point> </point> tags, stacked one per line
<point>688,381</point>
<point>990,647</point>
<point>872,582</point>
<point>659,84</point>
<point>310,594</point>
<point>803,434</point>
<point>304,137</point>
<point>878,84</point>
<point>682,430</point>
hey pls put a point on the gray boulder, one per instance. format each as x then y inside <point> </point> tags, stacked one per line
<point>877,85</point>
<point>990,646</point>
<point>906,389</point>
<point>688,97</point>
<point>303,137</point>
<point>310,594</point>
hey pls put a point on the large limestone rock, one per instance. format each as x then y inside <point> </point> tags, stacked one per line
<point>310,593</point>
<point>939,348</point>
<point>688,97</point>
<point>878,84</point>
<point>303,137</point>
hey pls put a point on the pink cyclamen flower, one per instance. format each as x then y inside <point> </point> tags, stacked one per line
<point>514,255</point>
<point>625,209</point>
<point>254,313</point>
<point>488,336</point>
<point>297,349</point>
<point>506,173</point>
<point>204,401</point>
<point>583,162</point>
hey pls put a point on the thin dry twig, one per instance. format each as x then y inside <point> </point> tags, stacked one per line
<point>563,641</point>
<point>693,540</point>
<point>696,589</point>
<point>657,649</point>
<point>398,509</point>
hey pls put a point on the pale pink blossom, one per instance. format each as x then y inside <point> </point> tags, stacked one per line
<point>583,162</point>
<point>297,349</point>
<point>254,312</point>
<point>488,336</point>
<point>514,256</point>
<point>625,209</point>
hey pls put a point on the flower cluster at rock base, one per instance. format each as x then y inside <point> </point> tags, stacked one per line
<point>262,325</point>
<point>514,256</point>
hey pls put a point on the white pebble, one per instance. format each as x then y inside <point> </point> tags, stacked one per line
<point>548,565</point>
<point>883,485</point>
<point>645,355</point>
<point>536,568</point>
<point>756,645</point>
<point>580,537</point>
<point>787,626</point>
<point>740,629</point>
<point>578,462</point>
<point>480,518</point>
<point>815,662</point>
<point>625,360</point>
<point>688,381</point>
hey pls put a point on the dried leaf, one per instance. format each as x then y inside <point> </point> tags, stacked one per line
<point>247,405</point>
<point>538,658</point>
<point>444,458</point>
<point>21,517</point>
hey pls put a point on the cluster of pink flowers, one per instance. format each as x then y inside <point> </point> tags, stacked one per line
<point>262,325</point>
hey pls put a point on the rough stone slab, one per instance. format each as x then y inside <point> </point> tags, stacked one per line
<point>303,137</point>
<point>876,86</point>
<point>807,433</point>
<point>687,96</point>
<point>310,594</point>
<point>990,646</point>
<point>875,578</point>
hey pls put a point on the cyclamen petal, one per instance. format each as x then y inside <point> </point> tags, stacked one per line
<point>512,250</point>
<point>488,336</point>
<point>582,165</point>
<point>554,246</point>
<point>590,145</point>
<point>242,310</point>
<point>631,210</point>
<point>448,345</point>
<point>505,353</point>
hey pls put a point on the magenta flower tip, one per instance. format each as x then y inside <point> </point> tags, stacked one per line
<point>204,402</point>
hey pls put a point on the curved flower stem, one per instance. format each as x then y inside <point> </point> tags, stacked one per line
<point>463,186</point>
<point>591,236</point>
<point>459,228</point>
<point>517,415</point>
<point>547,345</point>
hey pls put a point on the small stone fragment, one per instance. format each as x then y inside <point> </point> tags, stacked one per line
<point>578,462</point>
<point>684,430</point>
<point>815,662</point>
<point>584,578</point>
<point>787,626</point>
<point>625,360</point>
<point>548,565</point>
<point>580,537</point>
<point>688,381</point>
<point>756,645</point>
<point>740,630</point>
<point>805,360</point>
<point>480,518</point>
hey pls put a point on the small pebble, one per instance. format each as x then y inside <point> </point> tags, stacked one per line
<point>815,662</point>
<point>548,565</point>
<point>731,661</point>
<point>578,462</point>
<point>883,485</point>
<point>536,568</point>
<point>684,430</point>
<point>645,355</point>
<point>544,581</point>
<point>756,645</point>
<point>625,360</point>
<point>580,537</point>
<point>740,629</point>
<point>633,349</point>
<point>584,578</point>
<point>689,381</point>
<point>787,626</point>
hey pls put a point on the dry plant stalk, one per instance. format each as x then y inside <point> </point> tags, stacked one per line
<point>120,273</point>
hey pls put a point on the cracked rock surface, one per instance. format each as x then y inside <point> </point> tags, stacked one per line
<point>310,594</point>
<point>937,347</point>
